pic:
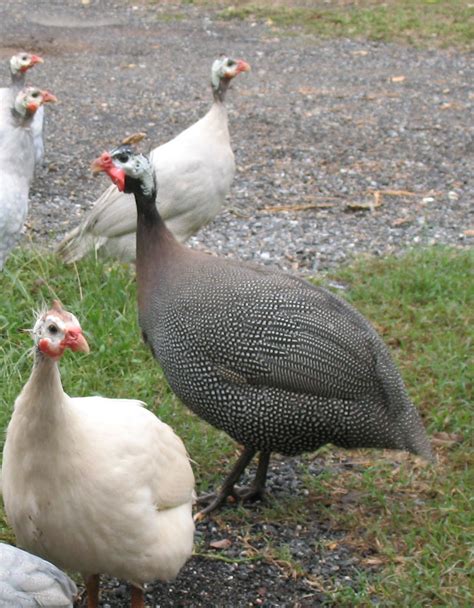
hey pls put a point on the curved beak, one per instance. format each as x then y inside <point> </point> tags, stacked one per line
<point>76,341</point>
<point>101,163</point>
<point>36,59</point>
<point>104,163</point>
<point>49,97</point>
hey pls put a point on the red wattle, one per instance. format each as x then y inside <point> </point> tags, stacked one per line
<point>117,176</point>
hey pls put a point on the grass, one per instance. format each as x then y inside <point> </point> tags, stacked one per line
<point>409,525</point>
<point>417,22</point>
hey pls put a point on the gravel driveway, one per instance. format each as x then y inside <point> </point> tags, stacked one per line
<point>371,143</point>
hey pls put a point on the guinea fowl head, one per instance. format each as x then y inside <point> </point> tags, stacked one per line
<point>130,171</point>
<point>222,72</point>
<point>30,99</point>
<point>21,62</point>
<point>57,329</point>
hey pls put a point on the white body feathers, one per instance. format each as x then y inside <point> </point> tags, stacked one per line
<point>194,172</point>
<point>96,485</point>
<point>37,131</point>
<point>17,162</point>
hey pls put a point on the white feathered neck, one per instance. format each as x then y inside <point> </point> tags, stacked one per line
<point>43,400</point>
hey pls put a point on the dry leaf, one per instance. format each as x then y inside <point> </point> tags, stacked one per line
<point>134,138</point>
<point>397,78</point>
<point>224,543</point>
<point>374,561</point>
<point>444,439</point>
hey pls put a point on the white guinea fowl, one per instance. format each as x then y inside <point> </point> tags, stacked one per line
<point>195,171</point>
<point>19,64</point>
<point>17,163</point>
<point>95,485</point>
<point>27,581</point>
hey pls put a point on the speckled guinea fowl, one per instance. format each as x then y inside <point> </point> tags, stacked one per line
<point>279,364</point>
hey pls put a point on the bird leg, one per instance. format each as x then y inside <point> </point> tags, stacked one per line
<point>255,491</point>
<point>92,586</point>
<point>138,599</point>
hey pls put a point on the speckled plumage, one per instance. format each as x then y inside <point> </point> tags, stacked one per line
<point>277,363</point>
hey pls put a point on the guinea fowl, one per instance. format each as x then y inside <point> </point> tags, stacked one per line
<point>195,171</point>
<point>279,364</point>
<point>19,65</point>
<point>27,581</point>
<point>95,485</point>
<point>17,163</point>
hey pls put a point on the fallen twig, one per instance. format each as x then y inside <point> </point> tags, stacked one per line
<point>378,198</point>
<point>281,208</point>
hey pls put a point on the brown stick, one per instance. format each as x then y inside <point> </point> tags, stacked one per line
<point>297,207</point>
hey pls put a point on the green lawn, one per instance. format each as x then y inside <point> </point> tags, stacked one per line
<point>415,519</point>
<point>417,22</point>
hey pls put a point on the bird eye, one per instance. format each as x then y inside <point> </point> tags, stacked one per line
<point>53,329</point>
<point>24,58</point>
<point>35,94</point>
<point>123,158</point>
<point>231,63</point>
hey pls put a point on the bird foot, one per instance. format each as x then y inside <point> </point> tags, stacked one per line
<point>215,500</point>
<point>250,494</point>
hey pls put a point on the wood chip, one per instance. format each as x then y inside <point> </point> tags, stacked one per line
<point>397,78</point>
<point>364,205</point>
<point>224,543</point>
<point>401,220</point>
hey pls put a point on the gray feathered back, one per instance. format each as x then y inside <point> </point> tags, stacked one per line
<point>29,581</point>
